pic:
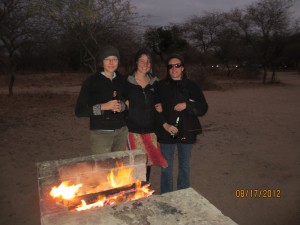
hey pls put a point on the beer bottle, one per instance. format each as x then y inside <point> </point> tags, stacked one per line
<point>174,136</point>
<point>114,98</point>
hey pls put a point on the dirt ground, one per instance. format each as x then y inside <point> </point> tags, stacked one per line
<point>251,142</point>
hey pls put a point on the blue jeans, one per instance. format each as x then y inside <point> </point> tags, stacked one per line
<point>183,179</point>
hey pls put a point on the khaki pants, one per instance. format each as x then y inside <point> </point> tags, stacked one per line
<point>103,141</point>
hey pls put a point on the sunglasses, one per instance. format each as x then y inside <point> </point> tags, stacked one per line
<point>177,65</point>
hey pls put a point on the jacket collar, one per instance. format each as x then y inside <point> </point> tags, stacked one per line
<point>131,79</point>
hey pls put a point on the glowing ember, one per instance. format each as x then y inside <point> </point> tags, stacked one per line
<point>138,193</point>
<point>84,206</point>
<point>142,191</point>
<point>121,177</point>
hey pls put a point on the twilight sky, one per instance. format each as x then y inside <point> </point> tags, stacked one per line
<point>164,12</point>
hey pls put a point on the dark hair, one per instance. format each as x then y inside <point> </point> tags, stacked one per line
<point>175,56</point>
<point>142,51</point>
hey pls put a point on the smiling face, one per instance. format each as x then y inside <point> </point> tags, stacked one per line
<point>175,69</point>
<point>110,64</point>
<point>143,64</point>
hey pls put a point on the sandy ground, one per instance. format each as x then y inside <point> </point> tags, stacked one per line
<point>251,142</point>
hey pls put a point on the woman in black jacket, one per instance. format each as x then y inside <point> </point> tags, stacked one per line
<point>182,102</point>
<point>96,100</point>
<point>141,99</point>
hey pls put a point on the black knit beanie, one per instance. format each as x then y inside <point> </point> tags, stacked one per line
<point>108,51</point>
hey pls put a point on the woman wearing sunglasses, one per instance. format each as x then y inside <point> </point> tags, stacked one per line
<point>182,102</point>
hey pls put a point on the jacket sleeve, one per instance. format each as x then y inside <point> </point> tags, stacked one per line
<point>125,91</point>
<point>82,108</point>
<point>159,116</point>
<point>196,104</point>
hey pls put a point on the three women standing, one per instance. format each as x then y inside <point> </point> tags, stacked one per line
<point>169,109</point>
<point>182,102</point>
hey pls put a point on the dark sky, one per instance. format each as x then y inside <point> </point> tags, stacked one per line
<point>164,12</point>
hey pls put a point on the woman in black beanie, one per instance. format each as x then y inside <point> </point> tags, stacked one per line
<point>100,100</point>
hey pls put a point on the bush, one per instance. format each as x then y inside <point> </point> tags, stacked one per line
<point>249,72</point>
<point>203,77</point>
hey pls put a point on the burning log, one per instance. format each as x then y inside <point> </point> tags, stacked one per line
<point>108,197</point>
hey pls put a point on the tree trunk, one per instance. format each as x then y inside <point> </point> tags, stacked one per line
<point>11,83</point>
<point>228,70</point>
<point>12,74</point>
<point>265,75</point>
<point>273,78</point>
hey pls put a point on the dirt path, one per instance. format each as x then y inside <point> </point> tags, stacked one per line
<point>251,142</point>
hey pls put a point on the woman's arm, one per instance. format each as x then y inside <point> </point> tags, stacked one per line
<point>196,104</point>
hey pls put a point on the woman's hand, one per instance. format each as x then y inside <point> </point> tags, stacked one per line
<point>180,107</point>
<point>113,105</point>
<point>158,107</point>
<point>127,104</point>
<point>170,129</point>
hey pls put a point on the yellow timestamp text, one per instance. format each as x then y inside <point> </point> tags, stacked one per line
<point>258,193</point>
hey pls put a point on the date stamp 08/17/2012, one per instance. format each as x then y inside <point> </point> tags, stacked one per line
<point>258,193</point>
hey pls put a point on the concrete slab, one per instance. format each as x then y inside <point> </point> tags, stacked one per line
<point>182,207</point>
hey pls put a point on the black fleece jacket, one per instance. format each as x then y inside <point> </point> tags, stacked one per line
<point>141,112</point>
<point>98,89</point>
<point>171,93</point>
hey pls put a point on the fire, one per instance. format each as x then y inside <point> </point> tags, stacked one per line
<point>138,193</point>
<point>122,177</point>
<point>85,206</point>
<point>142,191</point>
<point>64,191</point>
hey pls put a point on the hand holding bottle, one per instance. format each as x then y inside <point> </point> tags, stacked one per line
<point>116,103</point>
<point>112,105</point>
<point>174,135</point>
<point>172,129</point>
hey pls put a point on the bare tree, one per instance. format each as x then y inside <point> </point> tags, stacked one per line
<point>15,32</point>
<point>269,24</point>
<point>163,40</point>
<point>93,23</point>
<point>202,31</point>
<point>292,51</point>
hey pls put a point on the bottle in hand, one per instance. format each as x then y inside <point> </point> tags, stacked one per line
<point>114,98</point>
<point>174,135</point>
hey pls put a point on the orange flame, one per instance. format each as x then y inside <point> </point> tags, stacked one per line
<point>85,206</point>
<point>123,177</point>
<point>142,191</point>
<point>65,191</point>
<point>118,177</point>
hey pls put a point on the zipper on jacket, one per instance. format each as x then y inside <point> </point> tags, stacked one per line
<point>145,96</point>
